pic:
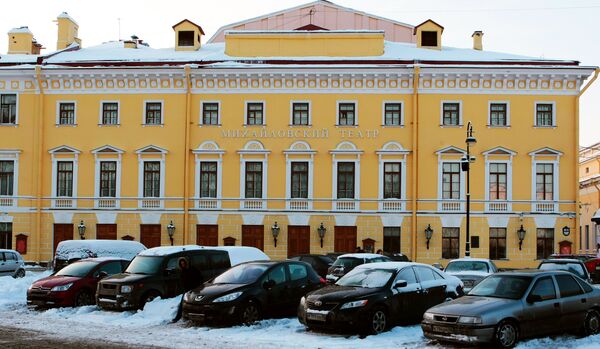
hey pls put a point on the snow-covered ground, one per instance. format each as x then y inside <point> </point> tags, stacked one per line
<point>152,326</point>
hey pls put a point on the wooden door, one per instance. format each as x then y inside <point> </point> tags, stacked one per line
<point>345,239</point>
<point>106,231</point>
<point>62,232</point>
<point>298,240</point>
<point>150,235</point>
<point>254,236</point>
<point>207,235</point>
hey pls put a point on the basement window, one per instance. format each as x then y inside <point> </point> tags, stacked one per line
<point>429,38</point>
<point>185,38</point>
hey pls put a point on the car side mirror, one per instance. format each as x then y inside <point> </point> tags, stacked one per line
<point>533,298</point>
<point>400,284</point>
<point>268,284</point>
<point>102,275</point>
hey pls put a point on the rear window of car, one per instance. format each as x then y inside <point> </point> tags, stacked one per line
<point>297,271</point>
<point>586,287</point>
<point>348,262</point>
<point>567,286</point>
<point>459,266</point>
<point>574,268</point>
<point>111,268</point>
<point>424,274</point>
<point>220,260</point>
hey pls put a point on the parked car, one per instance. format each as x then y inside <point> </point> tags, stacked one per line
<point>509,306</point>
<point>156,273</point>
<point>69,251</point>
<point>574,266</point>
<point>320,263</point>
<point>471,270</point>
<point>581,256</point>
<point>397,257</point>
<point>373,297</point>
<point>75,284</point>
<point>11,264</point>
<point>251,291</point>
<point>346,262</point>
<point>593,267</point>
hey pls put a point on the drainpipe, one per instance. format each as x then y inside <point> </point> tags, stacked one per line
<point>415,161</point>
<point>39,161</point>
<point>576,159</point>
<point>186,167</point>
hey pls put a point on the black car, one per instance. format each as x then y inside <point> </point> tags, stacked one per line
<point>374,296</point>
<point>346,262</point>
<point>320,263</point>
<point>251,291</point>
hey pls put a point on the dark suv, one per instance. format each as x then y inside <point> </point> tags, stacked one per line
<point>156,273</point>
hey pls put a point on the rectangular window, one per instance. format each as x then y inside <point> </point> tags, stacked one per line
<point>393,114</point>
<point>429,38</point>
<point>498,114</point>
<point>545,243</point>
<point>391,239</point>
<point>451,114</point>
<point>300,113</point>
<point>587,237</point>
<point>210,113</point>
<point>451,180</point>
<point>299,180</point>
<point>450,243</point>
<point>7,177</point>
<point>208,179</point>
<point>255,114</point>
<point>544,114</point>
<point>153,113</point>
<point>108,179</point>
<point>497,243</point>
<point>110,113</point>
<point>6,237</point>
<point>185,38</point>
<point>151,179</point>
<point>347,114</point>
<point>497,181</point>
<point>392,177</point>
<point>254,180</point>
<point>64,178</point>
<point>544,181</point>
<point>345,180</point>
<point>8,109</point>
<point>66,113</point>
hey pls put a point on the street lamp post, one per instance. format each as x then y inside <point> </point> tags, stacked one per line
<point>466,166</point>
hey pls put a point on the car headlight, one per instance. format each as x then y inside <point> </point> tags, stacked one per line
<point>61,287</point>
<point>303,301</point>
<point>228,297</point>
<point>428,316</point>
<point>355,304</point>
<point>126,289</point>
<point>469,320</point>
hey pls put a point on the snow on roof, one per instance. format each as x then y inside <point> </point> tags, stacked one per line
<point>304,32</point>
<point>18,59</point>
<point>362,255</point>
<point>71,249</point>
<point>167,250</point>
<point>242,254</point>
<point>18,30</point>
<point>66,15</point>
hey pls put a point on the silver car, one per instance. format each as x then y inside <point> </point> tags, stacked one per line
<point>471,270</point>
<point>11,264</point>
<point>509,306</point>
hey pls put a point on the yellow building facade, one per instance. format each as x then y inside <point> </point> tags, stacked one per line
<point>589,189</point>
<point>245,143</point>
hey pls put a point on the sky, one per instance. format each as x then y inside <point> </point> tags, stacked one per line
<point>539,28</point>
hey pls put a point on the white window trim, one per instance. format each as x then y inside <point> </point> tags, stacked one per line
<point>75,159</point>
<point>141,161</point>
<point>58,103</point>
<point>16,108</point>
<point>462,186</point>
<point>12,155</point>
<point>292,112</point>
<point>489,118</point>
<point>219,161</point>
<point>118,113</point>
<point>162,112</point>
<point>201,122</point>
<point>401,113</point>
<point>555,182</point>
<point>265,163</point>
<point>116,159</point>
<point>264,104</point>
<point>460,113</point>
<point>337,113</point>
<point>382,163</point>
<point>508,163</point>
<point>288,180</point>
<point>535,104</point>
<point>356,178</point>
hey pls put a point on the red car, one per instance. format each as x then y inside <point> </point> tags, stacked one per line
<point>75,284</point>
<point>592,263</point>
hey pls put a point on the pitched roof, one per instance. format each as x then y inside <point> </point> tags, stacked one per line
<point>428,21</point>
<point>192,23</point>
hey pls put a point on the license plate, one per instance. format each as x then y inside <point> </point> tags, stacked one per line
<point>442,329</point>
<point>316,316</point>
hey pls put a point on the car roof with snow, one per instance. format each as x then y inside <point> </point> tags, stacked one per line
<point>71,249</point>
<point>168,250</point>
<point>390,265</point>
<point>237,254</point>
<point>469,259</point>
<point>562,260</point>
<point>362,255</point>
<point>102,259</point>
<point>6,250</point>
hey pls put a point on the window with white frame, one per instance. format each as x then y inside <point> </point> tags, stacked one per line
<point>299,179</point>
<point>64,179</point>
<point>254,180</point>
<point>544,114</point>
<point>345,180</point>
<point>208,179</point>
<point>152,179</point>
<point>255,113</point>
<point>347,114</point>
<point>8,109</point>
<point>392,180</point>
<point>451,180</point>
<point>544,181</point>
<point>110,113</point>
<point>392,114</point>
<point>498,114</point>
<point>300,113</point>
<point>108,179</point>
<point>153,113</point>
<point>7,177</point>
<point>451,114</point>
<point>497,181</point>
<point>210,113</point>
<point>66,113</point>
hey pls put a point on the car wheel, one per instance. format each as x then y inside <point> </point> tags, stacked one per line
<point>506,334</point>
<point>377,321</point>
<point>250,313</point>
<point>591,324</point>
<point>83,298</point>
<point>19,274</point>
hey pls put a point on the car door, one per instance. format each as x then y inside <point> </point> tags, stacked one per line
<point>299,283</point>
<point>172,277</point>
<point>3,266</point>
<point>433,291</point>
<point>542,316</point>
<point>276,285</point>
<point>11,263</point>
<point>407,302</point>
<point>573,302</point>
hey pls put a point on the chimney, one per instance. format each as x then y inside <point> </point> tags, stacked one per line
<point>477,40</point>
<point>21,41</point>
<point>67,31</point>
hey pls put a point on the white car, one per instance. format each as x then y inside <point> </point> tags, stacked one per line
<point>471,270</point>
<point>346,262</point>
<point>11,264</point>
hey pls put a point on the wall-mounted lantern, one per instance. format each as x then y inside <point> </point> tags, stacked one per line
<point>428,234</point>
<point>171,231</point>
<point>275,231</point>
<point>321,230</point>
<point>521,235</point>
<point>81,230</point>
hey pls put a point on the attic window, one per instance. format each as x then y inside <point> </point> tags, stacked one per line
<point>185,38</point>
<point>429,38</point>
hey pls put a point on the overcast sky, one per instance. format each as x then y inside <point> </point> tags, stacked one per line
<point>540,28</point>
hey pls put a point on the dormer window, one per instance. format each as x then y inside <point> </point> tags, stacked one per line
<point>185,38</point>
<point>429,35</point>
<point>429,38</point>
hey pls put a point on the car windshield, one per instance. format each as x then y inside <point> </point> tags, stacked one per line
<point>574,268</point>
<point>502,286</point>
<point>458,266</point>
<point>347,262</point>
<point>242,274</point>
<point>79,269</point>
<point>367,278</point>
<point>147,265</point>
<point>326,259</point>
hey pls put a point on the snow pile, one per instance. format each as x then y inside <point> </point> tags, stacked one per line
<point>79,249</point>
<point>13,292</point>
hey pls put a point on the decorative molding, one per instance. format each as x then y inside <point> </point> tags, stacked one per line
<point>496,221</point>
<point>150,218</point>
<point>205,218</point>
<point>451,220</point>
<point>345,220</point>
<point>106,218</point>
<point>545,221</point>
<point>391,220</point>
<point>62,217</point>
<point>298,219</point>
<point>253,219</point>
